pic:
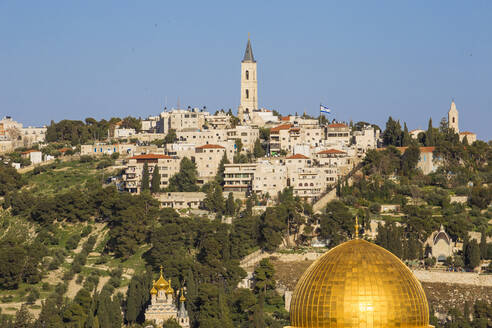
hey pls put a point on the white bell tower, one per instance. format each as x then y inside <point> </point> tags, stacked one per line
<point>453,118</point>
<point>249,84</point>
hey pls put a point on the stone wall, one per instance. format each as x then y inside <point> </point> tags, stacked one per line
<point>464,278</point>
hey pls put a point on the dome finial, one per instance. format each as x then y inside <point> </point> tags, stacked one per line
<point>161,269</point>
<point>249,35</point>
<point>356,227</point>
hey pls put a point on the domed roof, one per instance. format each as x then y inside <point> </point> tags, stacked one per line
<point>358,284</point>
<point>161,283</point>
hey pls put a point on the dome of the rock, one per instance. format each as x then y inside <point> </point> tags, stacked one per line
<point>358,284</point>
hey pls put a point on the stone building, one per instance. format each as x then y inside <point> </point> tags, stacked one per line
<point>441,244</point>
<point>337,134</point>
<point>162,305</point>
<point>132,177</point>
<point>207,159</point>
<point>249,85</point>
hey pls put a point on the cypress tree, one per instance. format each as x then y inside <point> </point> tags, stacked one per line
<point>483,245</point>
<point>156,180</point>
<point>258,150</point>
<point>429,135</point>
<point>132,306</point>
<point>219,178</point>
<point>145,177</point>
<point>230,207</point>
<point>405,137</point>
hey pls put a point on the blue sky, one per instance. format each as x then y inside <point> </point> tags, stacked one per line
<point>365,59</point>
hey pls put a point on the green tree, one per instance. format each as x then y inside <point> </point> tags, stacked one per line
<point>239,145</point>
<point>336,224</point>
<point>258,150</point>
<point>472,254</point>
<point>137,297</point>
<point>230,206</point>
<point>156,180</point>
<point>170,137</point>
<point>429,135</point>
<point>405,137</point>
<point>219,178</point>
<point>392,133</point>
<point>214,200</point>
<point>410,159</point>
<point>145,177</point>
<point>264,277</point>
<point>23,319</point>
<point>483,245</point>
<point>186,178</point>
<point>171,323</point>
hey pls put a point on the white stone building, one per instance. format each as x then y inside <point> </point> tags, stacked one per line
<point>132,177</point>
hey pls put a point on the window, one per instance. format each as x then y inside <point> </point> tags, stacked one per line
<point>247,94</point>
<point>247,75</point>
<point>453,119</point>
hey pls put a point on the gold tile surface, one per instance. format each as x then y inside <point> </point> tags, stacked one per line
<point>358,284</point>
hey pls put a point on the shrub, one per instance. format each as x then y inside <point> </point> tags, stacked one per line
<point>72,242</point>
<point>33,296</point>
<point>86,159</point>
<point>46,286</point>
<point>102,259</point>
<point>79,279</point>
<point>86,231</point>
<point>61,289</point>
<point>375,208</point>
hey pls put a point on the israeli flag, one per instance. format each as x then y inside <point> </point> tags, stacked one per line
<point>324,109</point>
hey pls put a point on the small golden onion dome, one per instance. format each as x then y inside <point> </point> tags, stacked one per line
<point>358,284</point>
<point>182,298</point>
<point>169,290</point>
<point>153,291</point>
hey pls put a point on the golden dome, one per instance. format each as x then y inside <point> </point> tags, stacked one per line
<point>161,283</point>
<point>169,290</point>
<point>358,284</point>
<point>153,291</point>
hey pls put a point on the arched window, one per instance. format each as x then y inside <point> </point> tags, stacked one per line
<point>247,75</point>
<point>247,94</point>
<point>453,119</point>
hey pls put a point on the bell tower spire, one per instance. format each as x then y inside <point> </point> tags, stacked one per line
<point>249,84</point>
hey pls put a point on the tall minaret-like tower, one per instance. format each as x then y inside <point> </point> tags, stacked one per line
<point>249,84</point>
<point>453,118</point>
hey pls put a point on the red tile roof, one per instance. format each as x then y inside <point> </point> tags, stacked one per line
<point>210,146</point>
<point>403,149</point>
<point>331,151</point>
<point>29,151</point>
<point>285,118</point>
<point>62,150</point>
<point>280,127</point>
<point>151,156</point>
<point>337,125</point>
<point>467,133</point>
<point>297,156</point>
